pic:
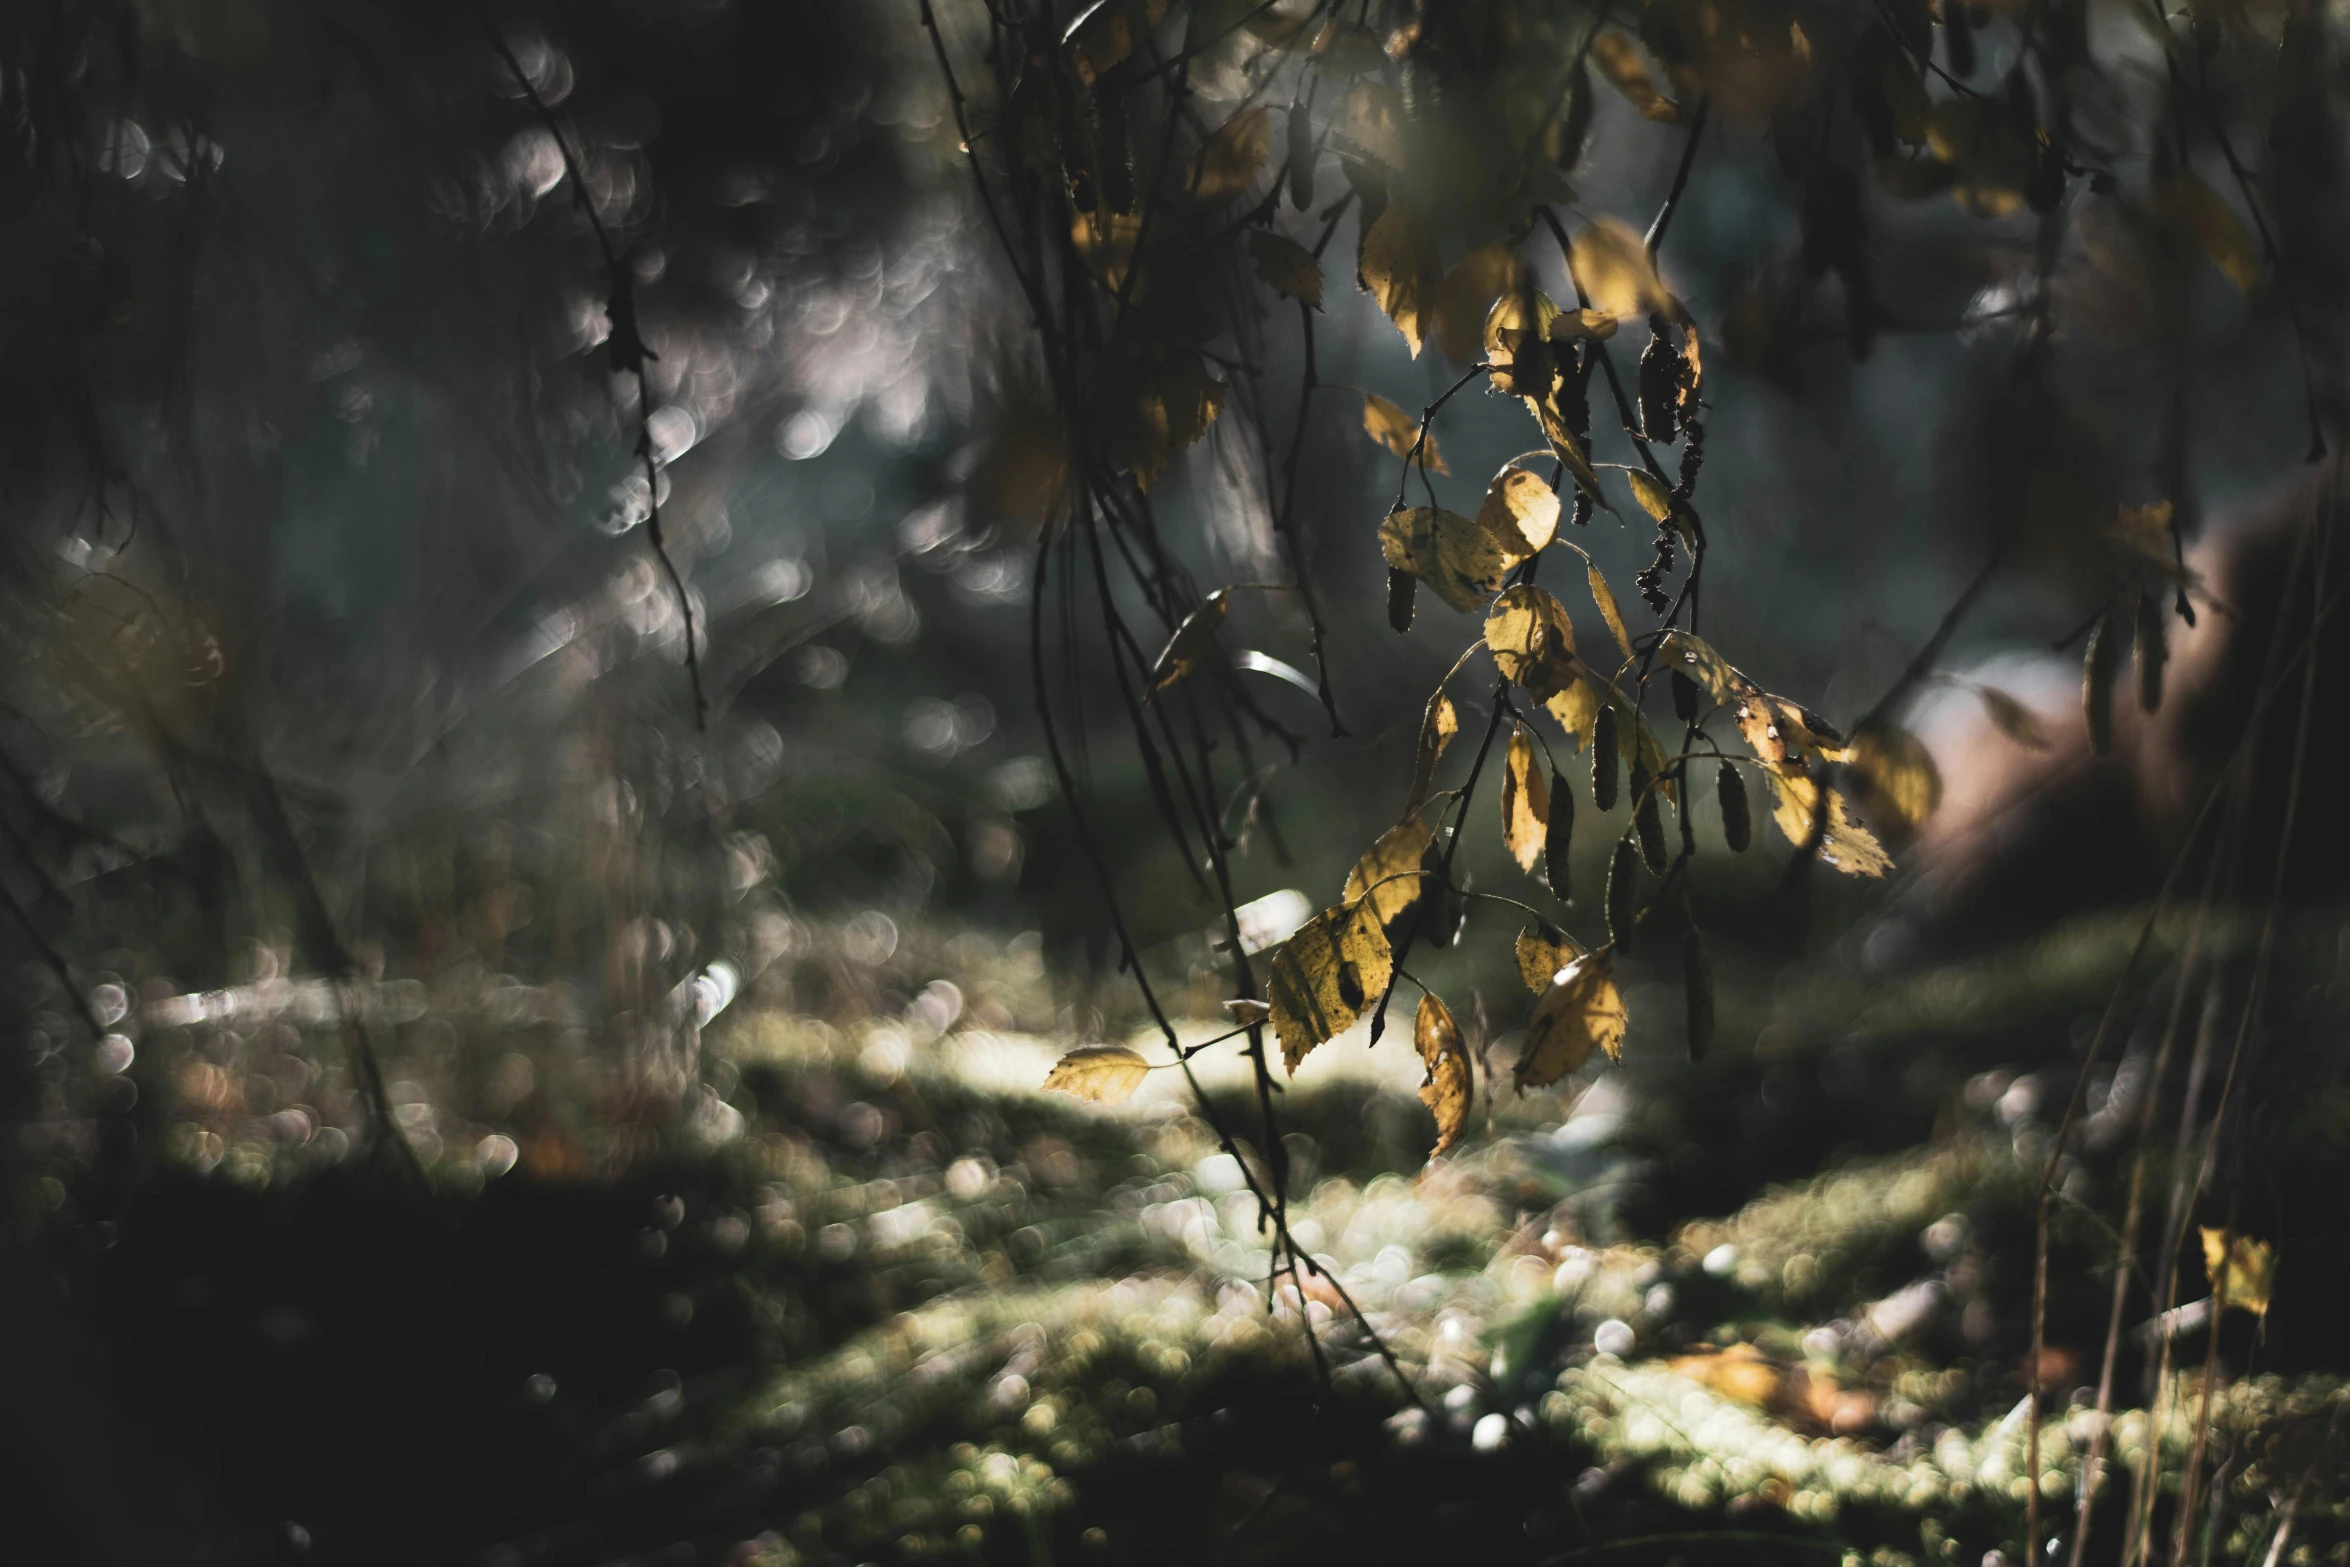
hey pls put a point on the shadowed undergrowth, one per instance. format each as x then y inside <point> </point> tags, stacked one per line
<point>867,1295</point>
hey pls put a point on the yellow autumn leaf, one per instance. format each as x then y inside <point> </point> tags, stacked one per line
<point>1696,658</point>
<point>1191,641</point>
<point>1605,597</point>
<point>1464,297</point>
<point>1455,555</point>
<point>1175,400</point>
<point>2145,531</point>
<point>1229,162</point>
<point>1577,326</point>
<point>1693,359</point>
<point>1521,501</point>
<point>1619,60</point>
<point>1576,706</point>
<point>1785,736</point>
<point>1099,1074</point>
<point>1326,976</point>
<point>1105,243</point>
<point>1397,267</point>
<point>2012,718</point>
<point>1371,115</point>
<point>2243,1271</point>
<point>1287,267</point>
<point>1650,492</point>
<point>1895,774</point>
<point>1846,845</point>
<point>1738,1373</point>
<point>1581,1011</point>
<point>1757,718</point>
<point>1509,319</point>
<point>1542,953</point>
<point>1612,264</point>
<point>1388,874</point>
<point>1392,427</point>
<point>1525,803</point>
<point>1507,323</point>
<point>1446,1088</point>
<point>1531,639</point>
<point>1522,321</point>
<point>1438,725</point>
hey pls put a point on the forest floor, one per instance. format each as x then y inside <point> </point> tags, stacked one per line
<point>867,1294</point>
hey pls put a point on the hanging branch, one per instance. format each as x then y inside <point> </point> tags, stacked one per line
<point>628,352</point>
<point>2226,786</point>
<point>2252,203</point>
<point>1074,326</point>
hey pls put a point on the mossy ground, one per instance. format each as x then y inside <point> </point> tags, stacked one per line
<point>851,1290</point>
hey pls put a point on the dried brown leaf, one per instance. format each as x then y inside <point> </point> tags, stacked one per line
<point>1446,1090</point>
<point>1542,953</point>
<point>1326,976</point>
<point>1286,266</point>
<point>1392,427</point>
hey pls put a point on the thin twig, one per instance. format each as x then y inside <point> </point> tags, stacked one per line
<point>628,351</point>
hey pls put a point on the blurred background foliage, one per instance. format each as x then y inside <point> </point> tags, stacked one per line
<point>462,1107</point>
